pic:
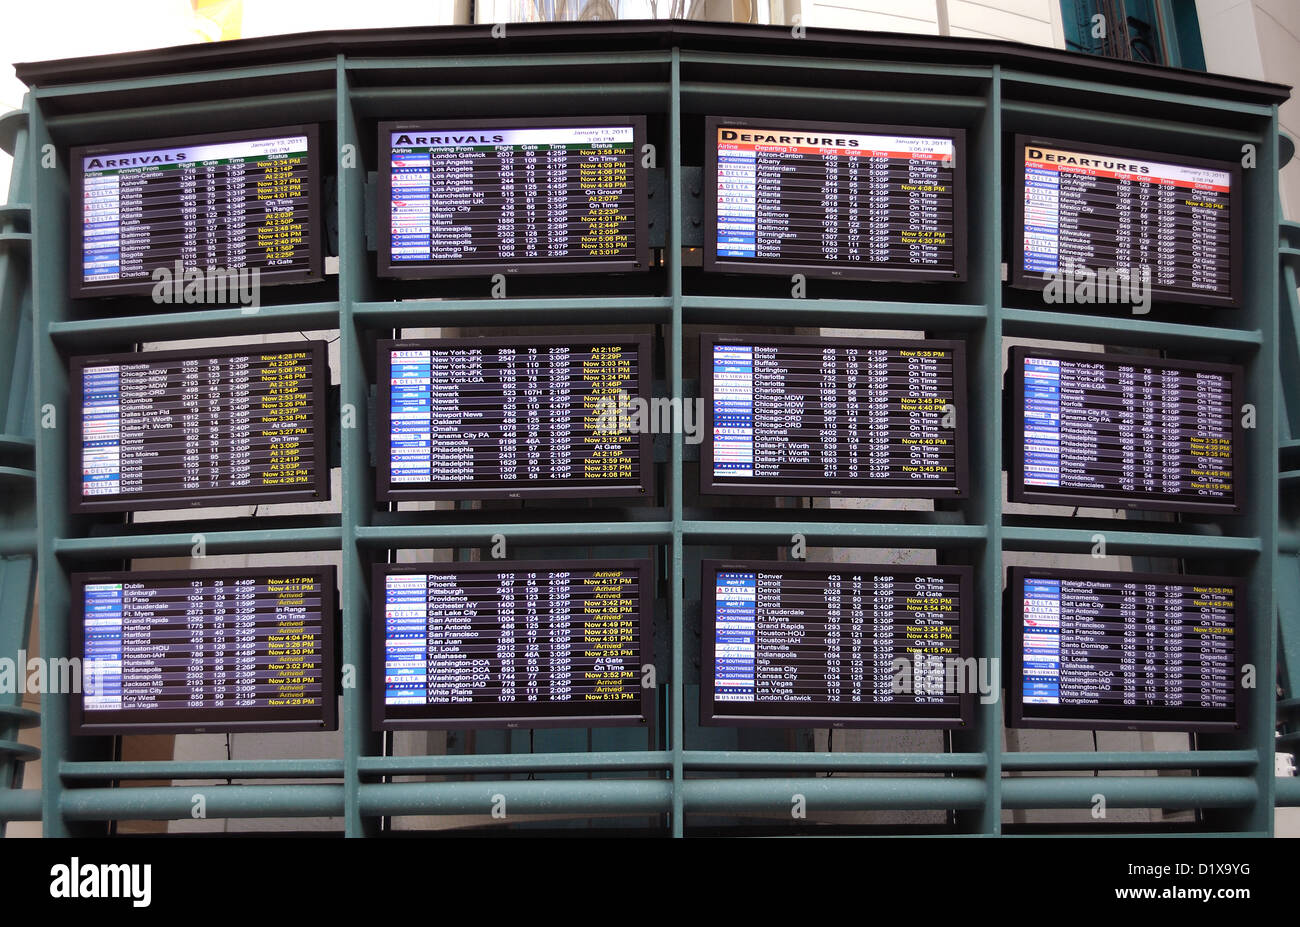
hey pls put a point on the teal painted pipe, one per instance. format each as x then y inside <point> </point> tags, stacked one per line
<point>529,796</point>
<point>794,96</point>
<point>165,803</point>
<point>834,312</point>
<point>481,764</point>
<point>451,535</point>
<point>254,540</point>
<point>205,769</point>
<point>1064,326</point>
<point>271,107</point>
<point>20,805</point>
<point>1181,759</point>
<point>779,796</point>
<point>1287,789</point>
<point>772,761</point>
<point>859,534</point>
<point>1129,791</point>
<point>89,334</point>
<point>439,62</point>
<point>1128,541</point>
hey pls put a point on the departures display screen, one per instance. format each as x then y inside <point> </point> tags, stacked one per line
<point>1124,650</point>
<point>512,644</point>
<point>1132,432</point>
<point>234,202</point>
<point>835,200</point>
<point>513,197</point>
<point>207,426</point>
<point>206,650</point>
<point>831,645</point>
<point>516,417</point>
<point>1170,221</point>
<point>833,416</point>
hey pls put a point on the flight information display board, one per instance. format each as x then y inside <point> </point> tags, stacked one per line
<point>1115,209</point>
<point>228,201</point>
<point>1130,432</point>
<point>204,426</point>
<point>519,417</point>
<point>512,644</point>
<point>1135,651</point>
<point>833,416</point>
<point>523,196</point>
<point>206,651</point>
<point>835,645</point>
<point>835,200</point>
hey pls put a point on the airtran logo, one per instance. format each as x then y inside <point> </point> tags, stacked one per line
<point>773,138</point>
<point>97,164</point>
<point>479,139</point>
<point>76,879</point>
<point>1106,164</point>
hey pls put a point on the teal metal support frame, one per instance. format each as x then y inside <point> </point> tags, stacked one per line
<point>674,74</point>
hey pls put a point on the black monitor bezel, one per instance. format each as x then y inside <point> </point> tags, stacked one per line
<point>1021,279</point>
<point>382,718</point>
<point>385,267</point>
<point>316,490</point>
<point>712,263</point>
<point>1020,715</point>
<point>710,485</point>
<point>314,239</point>
<point>714,714</point>
<point>387,491</point>
<point>245,719</point>
<point>1018,492</point>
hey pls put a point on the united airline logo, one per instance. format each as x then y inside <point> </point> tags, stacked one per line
<point>479,139</point>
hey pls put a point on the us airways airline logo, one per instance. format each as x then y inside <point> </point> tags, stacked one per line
<point>76,879</point>
<point>97,164</point>
<point>479,138</point>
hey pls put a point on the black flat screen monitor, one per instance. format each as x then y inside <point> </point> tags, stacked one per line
<point>225,203</point>
<point>202,426</point>
<point>1131,432</point>
<point>1131,651</point>
<point>796,415</point>
<point>517,196</point>
<point>837,645</point>
<point>1101,217</point>
<point>523,417</point>
<point>521,644</point>
<point>205,651</point>
<point>836,200</point>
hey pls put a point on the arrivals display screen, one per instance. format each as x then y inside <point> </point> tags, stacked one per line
<point>515,417</point>
<point>833,416</point>
<point>203,651</point>
<point>1124,431</point>
<point>533,196</point>
<point>836,645</point>
<point>512,644</point>
<point>207,426</point>
<point>228,201</point>
<point>835,200</point>
<point>1172,220</point>
<point>1124,650</point>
